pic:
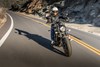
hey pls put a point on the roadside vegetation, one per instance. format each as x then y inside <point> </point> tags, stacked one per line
<point>2,14</point>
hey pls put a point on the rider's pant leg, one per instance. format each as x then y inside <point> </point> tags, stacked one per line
<point>52,33</point>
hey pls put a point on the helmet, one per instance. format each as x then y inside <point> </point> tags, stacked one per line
<point>54,9</point>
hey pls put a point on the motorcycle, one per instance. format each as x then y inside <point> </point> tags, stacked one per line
<point>62,38</point>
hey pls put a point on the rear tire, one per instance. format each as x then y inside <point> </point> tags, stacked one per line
<point>67,47</point>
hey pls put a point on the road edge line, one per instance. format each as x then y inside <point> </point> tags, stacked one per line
<point>8,32</point>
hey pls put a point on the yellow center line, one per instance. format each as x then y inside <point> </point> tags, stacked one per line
<point>97,51</point>
<point>91,48</point>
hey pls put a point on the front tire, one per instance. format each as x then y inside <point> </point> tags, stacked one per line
<point>67,47</point>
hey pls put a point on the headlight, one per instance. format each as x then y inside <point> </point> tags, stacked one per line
<point>62,28</point>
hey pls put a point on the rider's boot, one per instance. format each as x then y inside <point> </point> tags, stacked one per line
<point>52,43</point>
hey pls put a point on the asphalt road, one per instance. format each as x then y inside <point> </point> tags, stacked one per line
<point>28,45</point>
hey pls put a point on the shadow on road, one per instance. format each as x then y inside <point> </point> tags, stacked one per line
<point>40,40</point>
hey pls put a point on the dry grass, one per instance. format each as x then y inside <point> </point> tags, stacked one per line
<point>2,12</point>
<point>2,15</point>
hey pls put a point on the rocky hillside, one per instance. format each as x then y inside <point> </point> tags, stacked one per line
<point>83,11</point>
<point>31,6</point>
<point>79,11</point>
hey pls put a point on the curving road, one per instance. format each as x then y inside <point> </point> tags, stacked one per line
<point>28,45</point>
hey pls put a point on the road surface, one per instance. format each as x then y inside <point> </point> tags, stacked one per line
<point>28,45</point>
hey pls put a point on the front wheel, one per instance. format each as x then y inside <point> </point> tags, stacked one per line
<point>67,47</point>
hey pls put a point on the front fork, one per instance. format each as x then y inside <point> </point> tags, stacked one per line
<point>64,36</point>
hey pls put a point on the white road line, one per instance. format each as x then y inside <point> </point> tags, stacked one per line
<point>8,32</point>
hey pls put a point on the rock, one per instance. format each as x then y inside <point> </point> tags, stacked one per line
<point>96,21</point>
<point>83,11</point>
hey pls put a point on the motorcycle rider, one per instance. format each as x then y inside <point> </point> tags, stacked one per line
<point>54,19</point>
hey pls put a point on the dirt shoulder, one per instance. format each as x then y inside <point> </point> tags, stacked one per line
<point>85,27</point>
